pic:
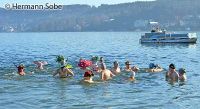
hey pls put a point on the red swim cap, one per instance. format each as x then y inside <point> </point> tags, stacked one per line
<point>88,74</point>
<point>84,63</point>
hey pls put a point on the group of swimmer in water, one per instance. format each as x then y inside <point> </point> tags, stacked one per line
<point>97,66</point>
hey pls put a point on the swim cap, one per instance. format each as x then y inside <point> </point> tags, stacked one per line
<point>95,58</point>
<point>69,66</point>
<point>60,58</point>
<point>84,63</point>
<point>182,71</point>
<point>151,65</point>
<point>88,74</point>
<point>135,68</point>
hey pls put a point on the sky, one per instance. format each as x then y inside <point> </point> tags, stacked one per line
<point>67,2</point>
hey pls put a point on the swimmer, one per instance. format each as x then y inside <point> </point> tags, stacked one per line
<point>116,70</point>
<point>105,73</point>
<point>101,60</point>
<point>128,66</point>
<point>64,72</point>
<point>88,77</point>
<point>20,69</point>
<point>40,64</point>
<point>61,59</point>
<point>100,63</point>
<point>94,65</point>
<point>154,68</point>
<point>182,74</point>
<point>172,74</point>
<point>134,70</point>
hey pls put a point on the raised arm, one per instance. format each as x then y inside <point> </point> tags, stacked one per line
<point>111,74</point>
<point>70,72</point>
<point>102,76</point>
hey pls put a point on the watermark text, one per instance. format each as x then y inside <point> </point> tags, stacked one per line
<point>46,6</point>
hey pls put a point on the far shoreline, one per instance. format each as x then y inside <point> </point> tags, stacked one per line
<point>97,31</point>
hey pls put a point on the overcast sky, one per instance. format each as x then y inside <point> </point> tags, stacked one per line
<point>67,2</point>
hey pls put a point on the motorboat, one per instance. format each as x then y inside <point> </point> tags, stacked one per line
<point>161,36</point>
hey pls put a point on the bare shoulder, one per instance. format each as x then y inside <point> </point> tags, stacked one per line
<point>108,71</point>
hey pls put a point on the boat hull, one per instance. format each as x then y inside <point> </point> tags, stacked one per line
<point>168,38</point>
<point>192,40</point>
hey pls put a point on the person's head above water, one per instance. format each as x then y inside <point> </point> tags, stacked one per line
<point>21,66</point>
<point>172,66</point>
<point>95,58</point>
<point>103,66</point>
<point>20,69</point>
<point>60,59</point>
<point>127,63</point>
<point>116,64</point>
<point>135,68</point>
<point>182,71</point>
<point>101,59</point>
<point>152,65</point>
<point>88,74</point>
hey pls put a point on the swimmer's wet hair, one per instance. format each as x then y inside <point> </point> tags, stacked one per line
<point>172,66</point>
<point>127,63</point>
<point>182,71</point>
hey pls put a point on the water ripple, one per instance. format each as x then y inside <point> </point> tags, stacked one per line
<point>41,90</point>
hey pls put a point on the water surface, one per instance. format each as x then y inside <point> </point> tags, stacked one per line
<point>41,90</point>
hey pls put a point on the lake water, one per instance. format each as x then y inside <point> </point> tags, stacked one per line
<point>41,90</point>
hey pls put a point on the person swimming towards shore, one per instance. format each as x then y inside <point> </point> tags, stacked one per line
<point>128,67</point>
<point>88,77</point>
<point>20,70</point>
<point>61,60</point>
<point>100,63</point>
<point>132,75</point>
<point>154,68</point>
<point>64,72</point>
<point>182,74</point>
<point>172,74</point>
<point>40,64</point>
<point>116,69</point>
<point>94,65</point>
<point>105,73</point>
